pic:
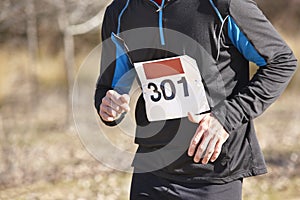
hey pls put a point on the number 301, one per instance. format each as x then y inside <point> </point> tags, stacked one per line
<point>158,94</point>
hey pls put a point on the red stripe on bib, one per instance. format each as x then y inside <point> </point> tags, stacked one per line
<point>163,68</point>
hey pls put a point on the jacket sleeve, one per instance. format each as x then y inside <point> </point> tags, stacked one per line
<point>275,59</point>
<point>108,61</point>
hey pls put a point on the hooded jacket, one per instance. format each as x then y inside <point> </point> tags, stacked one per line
<point>228,34</point>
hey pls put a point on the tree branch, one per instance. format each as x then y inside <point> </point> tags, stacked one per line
<point>87,26</point>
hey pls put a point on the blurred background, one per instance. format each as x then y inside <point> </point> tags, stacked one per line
<point>42,45</point>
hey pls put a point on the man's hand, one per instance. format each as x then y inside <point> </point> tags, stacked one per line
<point>209,138</point>
<point>113,105</point>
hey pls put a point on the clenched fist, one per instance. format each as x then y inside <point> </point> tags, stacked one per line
<point>113,105</point>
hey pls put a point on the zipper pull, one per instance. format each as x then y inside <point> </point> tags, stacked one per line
<point>159,9</point>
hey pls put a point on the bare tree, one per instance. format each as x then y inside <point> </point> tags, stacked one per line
<point>68,55</point>
<point>69,31</point>
<point>32,43</point>
<point>74,18</point>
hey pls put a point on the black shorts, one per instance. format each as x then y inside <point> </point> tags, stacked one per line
<point>148,186</point>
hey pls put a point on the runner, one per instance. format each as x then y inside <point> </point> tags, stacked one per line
<point>195,116</point>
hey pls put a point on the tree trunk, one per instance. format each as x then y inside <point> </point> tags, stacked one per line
<point>69,69</point>
<point>32,43</point>
<point>69,60</point>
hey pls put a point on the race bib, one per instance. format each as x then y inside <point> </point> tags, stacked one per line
<point>172,87</point>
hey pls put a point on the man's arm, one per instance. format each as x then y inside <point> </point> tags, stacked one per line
<point>262,45</point>
<point>108,103</point>
<point>270,80</point>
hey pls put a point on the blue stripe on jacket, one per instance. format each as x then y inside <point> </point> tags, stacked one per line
<point>240,41</point>
<point>124,73</point>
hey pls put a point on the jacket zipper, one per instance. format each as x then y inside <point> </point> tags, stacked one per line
<point>160,20</point>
